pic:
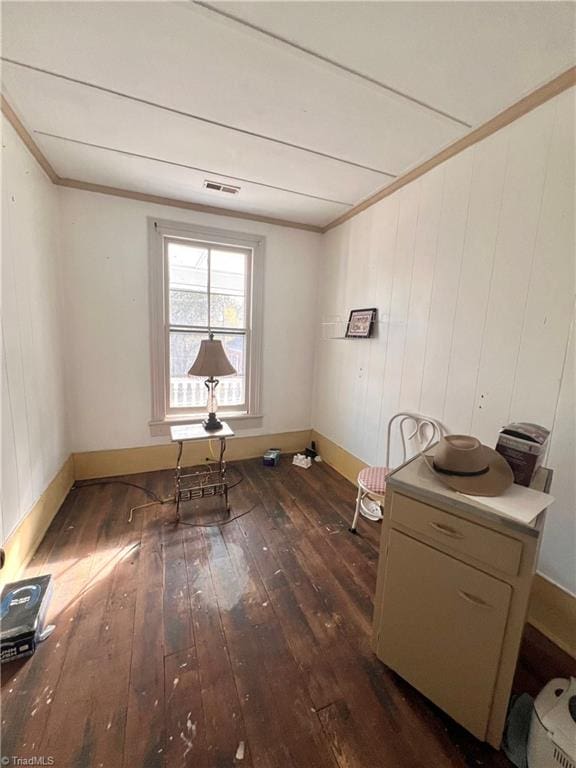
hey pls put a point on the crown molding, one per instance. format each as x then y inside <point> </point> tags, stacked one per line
<point>144,197</point>
<point>101,189</point>
<point>520,108</point>
<point>34,149</point>
<point>207,171</point>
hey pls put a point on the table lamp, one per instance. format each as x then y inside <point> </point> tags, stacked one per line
<point>211,362</point>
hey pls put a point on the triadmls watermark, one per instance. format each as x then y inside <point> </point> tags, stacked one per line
<point>31,760</point>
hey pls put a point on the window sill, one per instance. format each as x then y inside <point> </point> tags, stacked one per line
<point>161,428</point>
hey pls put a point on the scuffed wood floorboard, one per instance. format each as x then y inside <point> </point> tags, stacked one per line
<point>245,644</point>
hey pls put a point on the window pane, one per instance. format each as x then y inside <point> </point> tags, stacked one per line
<point>189,391</point>
<point>188,276</point>
<point>227,289</point>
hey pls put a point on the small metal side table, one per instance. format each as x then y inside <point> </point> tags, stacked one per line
<point>206,482</point>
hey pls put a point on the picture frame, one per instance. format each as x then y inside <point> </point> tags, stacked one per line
<point>361,323</point>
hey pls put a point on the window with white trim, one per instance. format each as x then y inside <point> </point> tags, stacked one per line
<point>201,281</point>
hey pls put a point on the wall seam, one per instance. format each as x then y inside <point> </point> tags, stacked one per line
<point>490,284</point>
<point>9,393</point>
<point>459,286</point>
<point>425,356</point>
<point>563,371</point>
<point>387,349</point>
<point>533,260</point>
<point>409,302</point>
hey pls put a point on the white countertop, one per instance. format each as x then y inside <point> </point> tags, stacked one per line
<point>416,478</point>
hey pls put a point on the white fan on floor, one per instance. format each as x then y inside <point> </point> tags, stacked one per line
<point>552,740</point>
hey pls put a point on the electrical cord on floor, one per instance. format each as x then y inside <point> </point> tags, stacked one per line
<point>169,500</point>
<point>191,525</point>
<point>150,492</point>
<point>219,522</point>
<point>158,500</point>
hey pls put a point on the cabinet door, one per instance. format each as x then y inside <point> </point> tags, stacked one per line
<point>442,628</point>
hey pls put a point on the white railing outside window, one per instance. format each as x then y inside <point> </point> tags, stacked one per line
<point>191,392</point>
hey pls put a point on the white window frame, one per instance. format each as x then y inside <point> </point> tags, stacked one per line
<point>159,233</point>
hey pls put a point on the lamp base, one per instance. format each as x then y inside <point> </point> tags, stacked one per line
<point>212,423</point>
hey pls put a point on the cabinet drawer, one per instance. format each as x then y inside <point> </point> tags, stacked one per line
<point>461,536</point>
<point>442,628</point>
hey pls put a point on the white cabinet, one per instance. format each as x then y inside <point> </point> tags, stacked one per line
<point>445,624</point>
<point>451,600</point>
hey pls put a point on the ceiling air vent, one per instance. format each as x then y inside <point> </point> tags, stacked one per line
<point>216,186</point>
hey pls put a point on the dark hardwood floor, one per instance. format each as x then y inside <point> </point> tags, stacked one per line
<point>238,645</point>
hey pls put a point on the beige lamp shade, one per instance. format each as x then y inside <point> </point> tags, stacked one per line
<point>211,360</point>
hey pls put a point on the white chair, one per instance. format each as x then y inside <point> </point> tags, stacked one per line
<point>416,431</point>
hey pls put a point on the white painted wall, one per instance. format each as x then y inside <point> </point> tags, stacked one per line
<point>472,270</point>
<point>34,439</point>
<point>105,251</point>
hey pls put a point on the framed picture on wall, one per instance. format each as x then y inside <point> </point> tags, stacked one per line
<point>361,323</point>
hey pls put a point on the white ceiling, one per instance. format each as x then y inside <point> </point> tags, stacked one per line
<point>308,107</point>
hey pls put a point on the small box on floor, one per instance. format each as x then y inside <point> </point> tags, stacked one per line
<point>23,609</point>
<point>271,457</point>
<point>523,445</point>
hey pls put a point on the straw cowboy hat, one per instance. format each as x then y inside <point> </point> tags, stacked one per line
<point>461,462</point>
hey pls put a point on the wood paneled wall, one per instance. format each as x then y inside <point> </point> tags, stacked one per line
<point>472,270</point>
<point>34,406</point>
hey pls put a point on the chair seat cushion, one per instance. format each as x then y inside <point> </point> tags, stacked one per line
<point>374,479</point>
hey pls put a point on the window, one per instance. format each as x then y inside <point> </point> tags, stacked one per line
<point>208,289</point>
<point>201,281</point>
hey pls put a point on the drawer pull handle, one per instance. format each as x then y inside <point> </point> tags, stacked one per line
<point>477,601</point>
<point>447,531</point>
